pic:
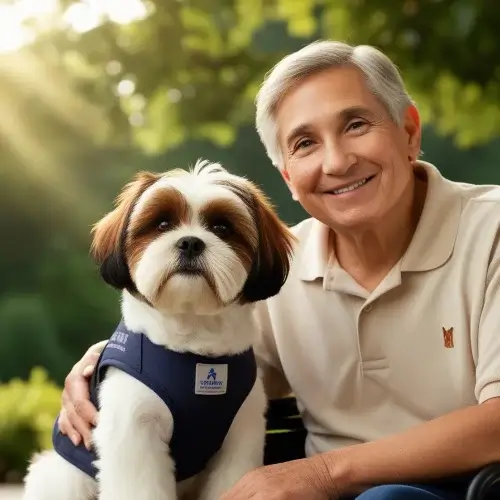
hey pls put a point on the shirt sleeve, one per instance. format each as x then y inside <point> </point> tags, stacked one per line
<point>488,342</point>
<point>268,359</point>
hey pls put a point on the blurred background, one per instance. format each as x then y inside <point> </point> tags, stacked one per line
<point>93,90</point>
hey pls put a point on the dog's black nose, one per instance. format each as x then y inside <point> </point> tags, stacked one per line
<point>191,246</point>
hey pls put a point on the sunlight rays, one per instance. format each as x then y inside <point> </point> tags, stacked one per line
<point>41,154</point>
<point>27,77</point>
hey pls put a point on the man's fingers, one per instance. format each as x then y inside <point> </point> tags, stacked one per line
<point>78,413</point>
<point>96,348</point>
<point>79,402</point>
<point>90,359</point>
<point>79,417</point>
<point>66,427</point>
<point>88,371</point>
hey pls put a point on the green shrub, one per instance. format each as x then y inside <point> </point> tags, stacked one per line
<point>28,338</point>
<point>27,413</point>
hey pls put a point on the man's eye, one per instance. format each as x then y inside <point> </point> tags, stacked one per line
<point>305,143</point>
<point>355,125</point>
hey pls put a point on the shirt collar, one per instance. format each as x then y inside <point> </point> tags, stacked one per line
<point>431,245</point>
<point>434,239</point>
<point>314,258</point>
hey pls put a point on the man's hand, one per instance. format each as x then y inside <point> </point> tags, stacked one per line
<point>296,480</point>
<point>78,414</point>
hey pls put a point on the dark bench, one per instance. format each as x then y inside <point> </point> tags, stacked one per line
<point>286,438</point>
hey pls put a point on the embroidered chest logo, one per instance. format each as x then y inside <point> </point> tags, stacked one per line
<point>448,337</point>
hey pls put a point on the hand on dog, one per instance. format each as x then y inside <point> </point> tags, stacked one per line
<point>296,480</point>
<point>78,414</point>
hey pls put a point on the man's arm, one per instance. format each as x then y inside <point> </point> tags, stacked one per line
<point>78,414</point>
<point>458,442</point>
<point>273,377</point>
<point>275,384</point>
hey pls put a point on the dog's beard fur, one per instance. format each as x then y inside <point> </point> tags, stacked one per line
<point>219,278</point>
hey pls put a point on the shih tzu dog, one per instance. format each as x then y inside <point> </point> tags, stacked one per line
<point>181,406</point>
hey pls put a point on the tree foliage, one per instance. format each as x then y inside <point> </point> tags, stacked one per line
<point>197,64</point>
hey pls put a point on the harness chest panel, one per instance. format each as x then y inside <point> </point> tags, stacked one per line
<point>203,394</point>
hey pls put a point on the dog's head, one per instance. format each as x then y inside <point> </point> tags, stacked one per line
<point>193,241</point>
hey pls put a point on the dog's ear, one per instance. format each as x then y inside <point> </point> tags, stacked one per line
<point>110,233</point>
<point>275,248</point>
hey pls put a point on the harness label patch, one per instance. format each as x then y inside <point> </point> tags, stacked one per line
<point>118,341</point>
<point>211,380</point>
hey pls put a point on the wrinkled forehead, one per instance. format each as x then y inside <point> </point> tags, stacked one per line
<point>193,194</point>
<point>328,97</point>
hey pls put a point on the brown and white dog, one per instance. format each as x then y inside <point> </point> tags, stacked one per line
<point>238,252</point>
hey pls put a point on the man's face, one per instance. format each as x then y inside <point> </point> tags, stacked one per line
<point>345,160</point>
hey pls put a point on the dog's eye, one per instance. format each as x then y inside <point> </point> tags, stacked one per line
<point>164,225</point>
<point>222,229</point>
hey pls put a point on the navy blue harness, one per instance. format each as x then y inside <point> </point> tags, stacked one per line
<point>203,394</point>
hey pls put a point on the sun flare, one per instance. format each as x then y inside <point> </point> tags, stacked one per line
<point>22,19</point>
<point>23,73</point>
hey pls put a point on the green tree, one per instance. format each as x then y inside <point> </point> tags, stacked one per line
<point>27,338</point>
<point>192,68</point>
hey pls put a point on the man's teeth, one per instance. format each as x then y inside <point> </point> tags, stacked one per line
<point>352,187</point>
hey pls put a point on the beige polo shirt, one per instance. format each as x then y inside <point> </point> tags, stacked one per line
<point>424,343</point>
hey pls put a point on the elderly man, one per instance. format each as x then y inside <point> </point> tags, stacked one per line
<point>387,330</point>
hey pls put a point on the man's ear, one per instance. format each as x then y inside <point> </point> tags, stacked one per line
<point>286,177</point>
<point>274,252</point>
<point>413,130</point>
<point>110,233</point>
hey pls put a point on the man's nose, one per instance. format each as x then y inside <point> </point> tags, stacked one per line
<point>337,161</point>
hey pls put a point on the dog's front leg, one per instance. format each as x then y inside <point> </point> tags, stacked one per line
<point>131,440</point>
<point>243,448</point>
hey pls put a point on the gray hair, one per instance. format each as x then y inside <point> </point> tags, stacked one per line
<point>382,76</point>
